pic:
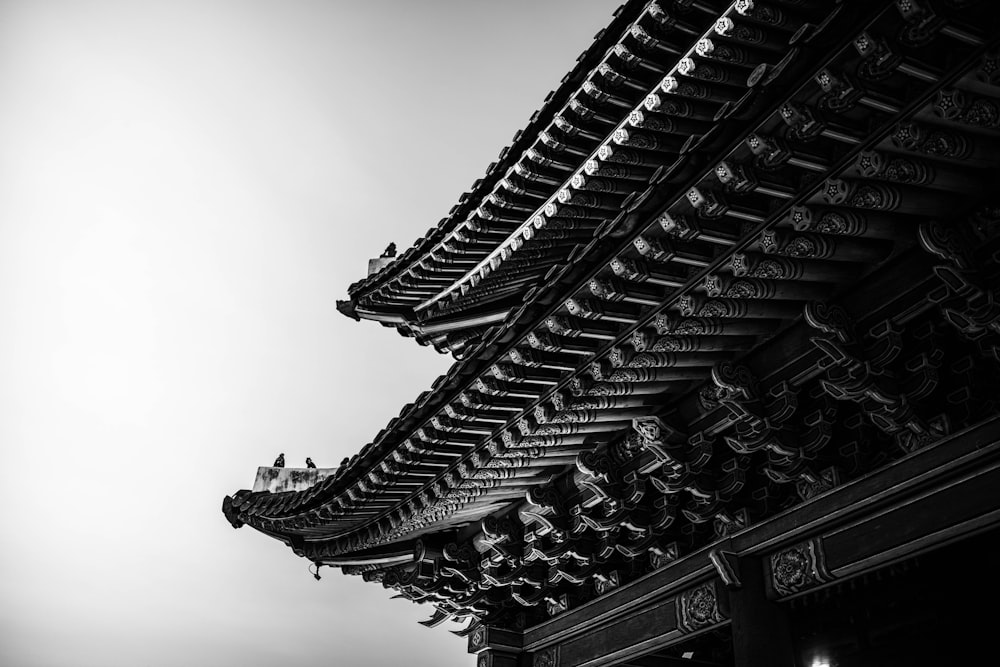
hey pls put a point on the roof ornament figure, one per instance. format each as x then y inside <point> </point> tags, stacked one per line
<point>280,461</point>
<point>390,250</point>
<point>309,463</point>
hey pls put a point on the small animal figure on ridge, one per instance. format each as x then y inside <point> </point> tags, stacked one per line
<point>280,461</point>
<point>309,463</point>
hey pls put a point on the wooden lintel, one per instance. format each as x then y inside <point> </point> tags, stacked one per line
<point>489,637</point>
<point>659,660</point>
<point>661,621</point>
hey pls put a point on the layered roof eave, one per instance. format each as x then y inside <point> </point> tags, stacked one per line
<point>473,365</point>
<point>699,197</point>
<point>625,27</point>
<point>523,138</point>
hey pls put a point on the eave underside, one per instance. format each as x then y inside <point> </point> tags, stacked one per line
<point>809,299</point>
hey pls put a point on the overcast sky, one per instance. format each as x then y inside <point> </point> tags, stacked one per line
<point>185,190</point>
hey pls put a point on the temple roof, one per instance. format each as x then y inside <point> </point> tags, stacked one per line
<point>710,256</point>
<point>550,189</point>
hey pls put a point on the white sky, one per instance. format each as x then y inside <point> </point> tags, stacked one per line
<point>185,190</point>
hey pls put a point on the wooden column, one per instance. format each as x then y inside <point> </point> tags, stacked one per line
<point>761,636</point>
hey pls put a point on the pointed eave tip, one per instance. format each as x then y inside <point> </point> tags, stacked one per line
<point>232,516</point>
<point>347,308</point>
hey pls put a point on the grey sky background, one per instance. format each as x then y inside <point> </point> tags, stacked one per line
<point>185,190</point>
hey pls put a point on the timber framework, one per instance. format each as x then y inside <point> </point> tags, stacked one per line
<point>726,323</point>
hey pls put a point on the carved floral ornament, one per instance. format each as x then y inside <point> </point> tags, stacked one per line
<point>799,567</point>
<point>698,608</point>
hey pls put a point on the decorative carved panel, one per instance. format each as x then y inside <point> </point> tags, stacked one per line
<point>698,608</point>
<point>799,568</point>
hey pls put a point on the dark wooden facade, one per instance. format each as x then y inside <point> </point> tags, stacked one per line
<point>727,335</point>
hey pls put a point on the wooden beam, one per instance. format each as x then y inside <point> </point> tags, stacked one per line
<point>660,660</point>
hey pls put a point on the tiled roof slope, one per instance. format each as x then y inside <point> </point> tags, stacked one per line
<point>546,194</point>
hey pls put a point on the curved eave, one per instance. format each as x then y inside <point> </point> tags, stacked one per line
<point>385,561</point>
<point>467,373</point>
<point>491,190</point>
<point>387,556</point>
<point>623,16</point>
<point>378,316</point>
<point>461,323</point>
<point>764,219</point>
